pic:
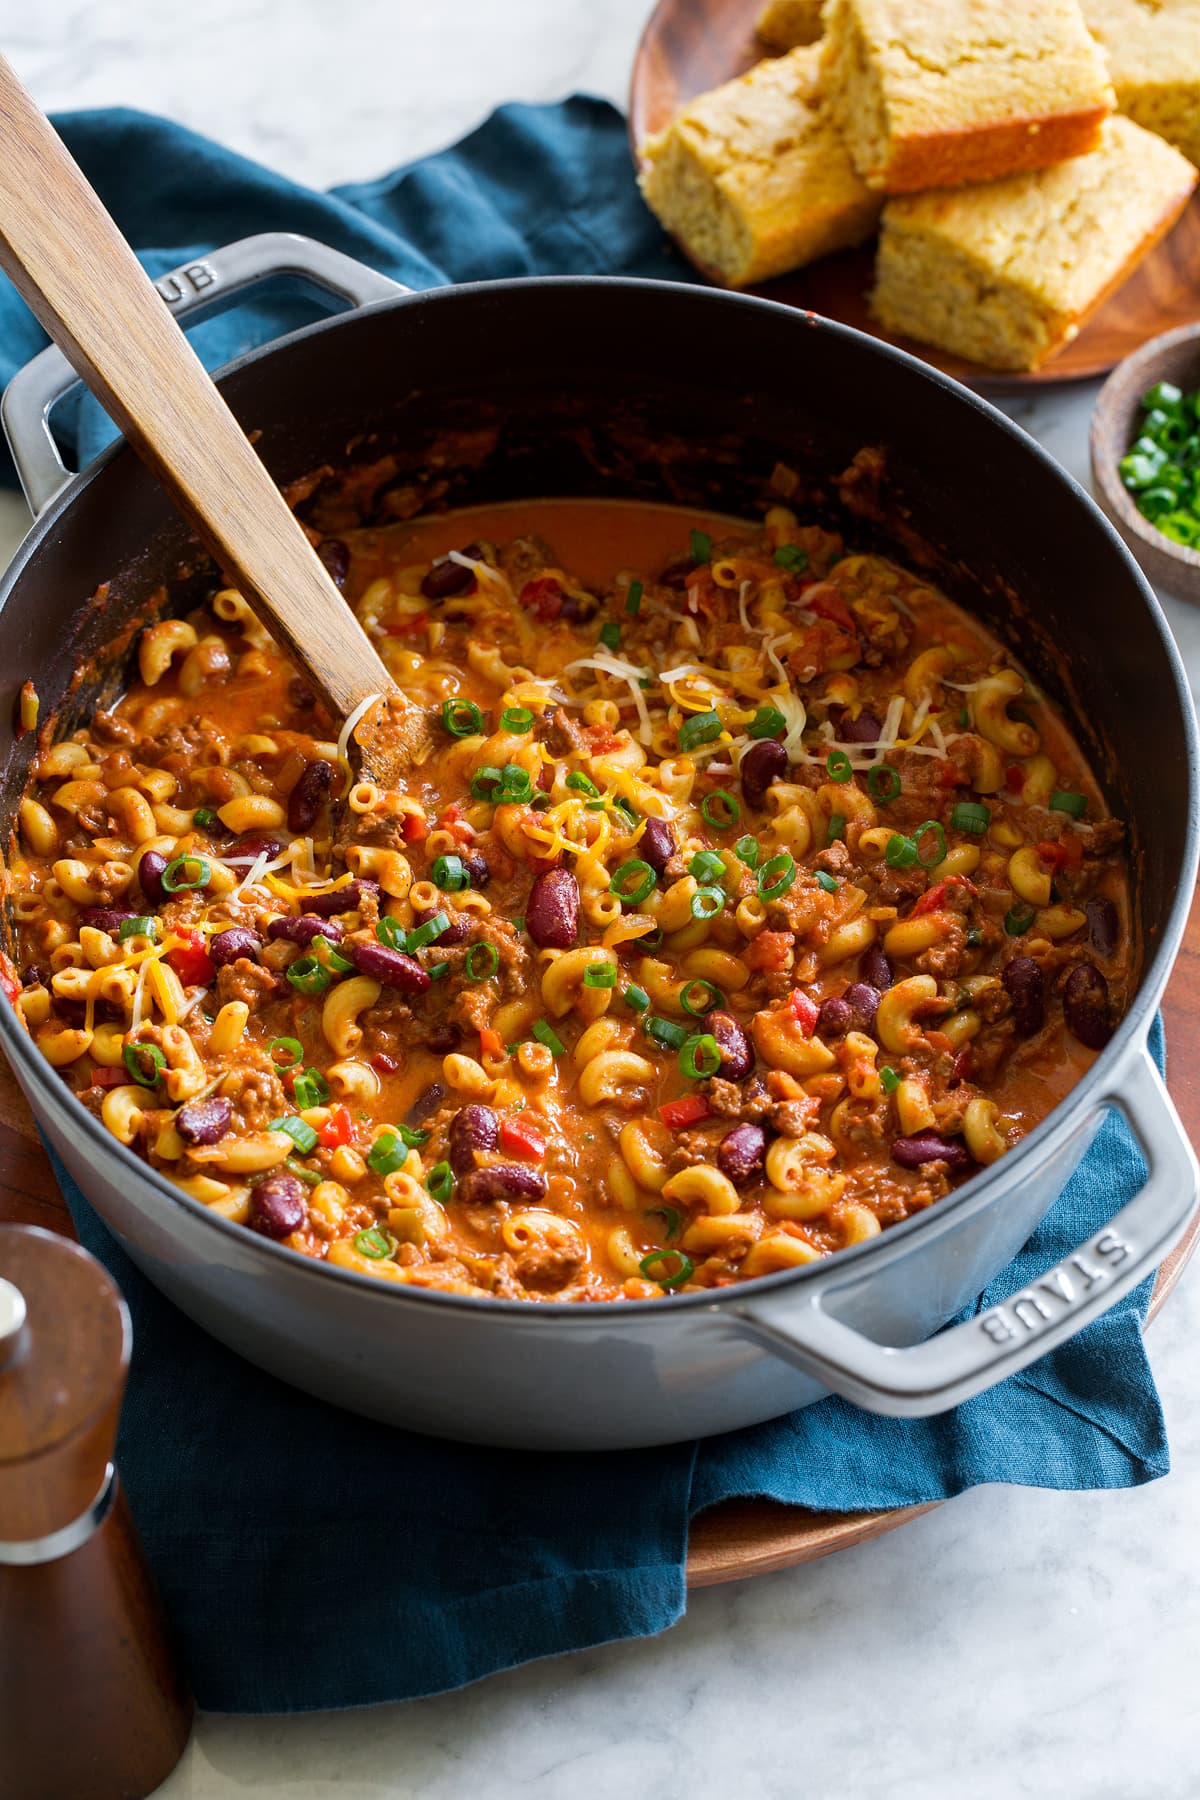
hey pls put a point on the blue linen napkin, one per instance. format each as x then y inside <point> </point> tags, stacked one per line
<point>310,1558</point>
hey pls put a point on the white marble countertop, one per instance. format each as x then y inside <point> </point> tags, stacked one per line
<point>1009,1644</point>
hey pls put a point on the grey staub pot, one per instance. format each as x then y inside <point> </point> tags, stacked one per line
<point>606,386</point>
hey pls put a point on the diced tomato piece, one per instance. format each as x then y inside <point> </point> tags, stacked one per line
<point>385,1064</point>
<point>601,740</point>
<point>804,1011</point>
<point>490,1042</point>
<point>688,1111</point>
<point>1067,854</point>
<point>544,594</point>
<point>106,1078</point>
<point>935,897</point>
<point>415,829</point>
<point>402,627</point>
<point>948,776</point>
<point>962,1064</point>
<point>191,961</point>
<point>825,599</point>
<point>939,1040</point>
<point>522,1138</point>
<point>768,950</point>
<point>9,982</point>
<point>1014,778</point>
<point>338,1128</point>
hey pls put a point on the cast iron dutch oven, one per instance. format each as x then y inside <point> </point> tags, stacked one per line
<point>643,389</point>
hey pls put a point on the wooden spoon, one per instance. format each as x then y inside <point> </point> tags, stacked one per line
<point>70,263</point>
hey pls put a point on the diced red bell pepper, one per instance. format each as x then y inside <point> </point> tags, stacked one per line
<point>403,627</point>
<point>962,1064</point>
<point>106,1078</point>
<point>688,1111</point>
<point>935,897</point>
<point>338,1128</point>
<point>804,1011</point>
<point>544,594</point>
<point>414,829</point>
<point>827,603</point>
<point>490,1042</point>
<point>522,1138</point>
<point>1066,854</point>
<point>191,961</point>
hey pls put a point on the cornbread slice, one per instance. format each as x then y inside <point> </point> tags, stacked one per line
<point>785,24</point>
<point>938,93</point>
<point>1005,273</point>
<point>752,178</point>
<point>1153,53</point>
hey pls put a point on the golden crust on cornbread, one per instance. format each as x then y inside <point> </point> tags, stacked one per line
<point>938,93</point>
<point>1153,52</point>
<point>752,179</point>
<point>1005,273</point>
<point>786,24</point>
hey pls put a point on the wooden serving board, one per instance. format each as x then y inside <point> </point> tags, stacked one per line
<point>690,46</point>
<point>740,1538</point>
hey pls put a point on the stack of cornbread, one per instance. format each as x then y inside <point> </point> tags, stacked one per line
<point>1018,158</point>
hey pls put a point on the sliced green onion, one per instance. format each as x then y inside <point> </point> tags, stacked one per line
<point>720,810</point>
<point>709,998</point>
<point>428,933</point>
<point>700,1056</point>
<point>969,815</point>
<point>485,782</point>
<point>145,1062</point>
<point>767,722</point>
<point>435,971</point>
<point>826,881</point>
<point>671,1217</point>
<point>439,1183</point>
<point>776,876</point>
<point>177,880</point>
<point>145,925</point>
<point>313,1177</point>
<point>665,1031</point>
<point>838,766</point>
<point>391,932</point>
<point>632,882</point>
<point>481,961</point>
<point>1018,920</point>
<point>461,718</point>
<point>701,546</point>
<point>939,843</point>
<point>901,852</point>
<point>889,1079</point>
<point>518,923</point>
<point>636,997</point>
<point>600,975</point>
<point>626,809</point>
<point>974,938</point>
<point>374,1243</point>
<point>292,1048</point>
<point>837,828</point>
<point>582,784</point>
<point>707,866</point>
<point>301,1134</point>
<point>701,728</point>
<point>307,976</point>
<point>883,783</point>
<point>412,1136</point>
<point>964,717</point>
<point>610,635</point>
<point>633,599</point>
<point>205,819</point>
<point>516,718</point>
<point>387,1154</point>
<point>1063,801</point>
<point>792,557</point>
<point>546,1034</point>
<point>664,1259</point>
<point>327,956</point>
<point>450,875</point>
<point>707,902</point>
<point>516,785</point>
<point>310,1089</point>
<point>747,849</point>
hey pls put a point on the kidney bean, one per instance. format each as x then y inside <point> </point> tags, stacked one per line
<point>204,1121</point>
<point>278,1204</point>
<point>227,946</point>
<point>1025,984</point>
<point>763,763</point>
<point>863,730</point>
<point>503,1181</point>
<point>875,969</point>
<point>71,1012</point>
<point>862,999</point>
<point>383,1063</point>
<point>478,870</point>
<point>443,1038</point>
<point>835,1017</point>
<point>927,1146</point>
<point>300,694</point>
<point>552,913</point>
<point>472,1128</point>
<point>343,899</point>
<point>426,1102</point>
<point>1085,1005</point>
<point>391,967</point>
<point>737,1058</point>
<point>33,975</point>
<point>741,1153</point>
<point>304,929</point>
<point>150,873</point>
<point>305,799</point>
<point>657,844</point>
<point>456,932</point>
<point>336,557</point>
<point>1104,927</point>
<point>105,918</point>
<point>577,609</point>
<point>249,849</point>
<point>447,579</point>
<point>675,574</point>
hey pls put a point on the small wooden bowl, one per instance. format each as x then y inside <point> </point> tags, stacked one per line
<point>1174,357</point>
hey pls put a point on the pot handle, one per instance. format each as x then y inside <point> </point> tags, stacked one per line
<point>215,278</point>
<point>971,1357</point>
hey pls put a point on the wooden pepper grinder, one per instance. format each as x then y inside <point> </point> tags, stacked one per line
<point>92,1706</point>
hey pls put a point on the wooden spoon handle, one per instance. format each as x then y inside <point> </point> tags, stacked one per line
<point>66,257</point>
